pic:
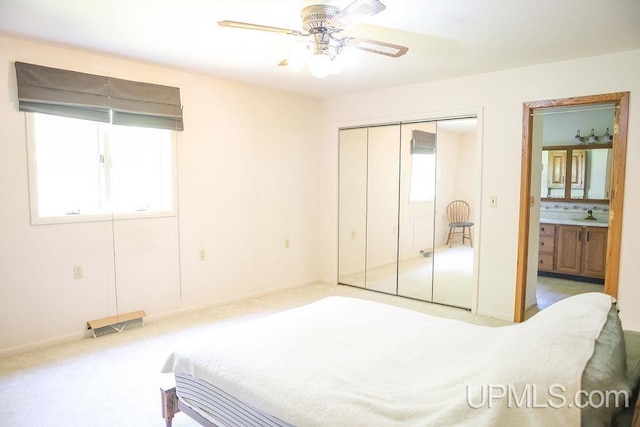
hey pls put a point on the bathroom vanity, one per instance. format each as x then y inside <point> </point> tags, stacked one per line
<point>573,247</point>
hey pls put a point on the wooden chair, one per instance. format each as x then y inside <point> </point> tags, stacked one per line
<point>459,225</point>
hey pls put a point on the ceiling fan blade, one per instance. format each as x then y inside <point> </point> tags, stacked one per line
<point>355,11</point>
<point>247,26</point>
<point>375,46</point>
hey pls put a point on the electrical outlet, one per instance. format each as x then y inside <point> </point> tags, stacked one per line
<point>286,243</point>
<point>77,272</point>
<point>493,202</point>
<point>202,255</point>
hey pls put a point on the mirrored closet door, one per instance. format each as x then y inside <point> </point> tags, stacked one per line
<point>352,227</point>
<point>396,183</point>
<point>417,210</point>
<point>368,226</point>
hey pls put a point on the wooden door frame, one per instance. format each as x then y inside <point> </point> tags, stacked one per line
<point>621,120</point>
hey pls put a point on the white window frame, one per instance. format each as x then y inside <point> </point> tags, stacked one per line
<point>37,219</point>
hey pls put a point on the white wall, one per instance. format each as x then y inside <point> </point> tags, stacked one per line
<point>257,166</point>
<point>499,96</point>
<point>248,180</point>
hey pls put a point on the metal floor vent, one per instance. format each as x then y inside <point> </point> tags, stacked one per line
<point>118,323</point>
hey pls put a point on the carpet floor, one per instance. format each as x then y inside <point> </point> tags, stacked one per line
<point>114,380</point>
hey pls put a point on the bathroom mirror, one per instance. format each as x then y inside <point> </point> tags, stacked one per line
<point>586,178</point>
<point>583,135</point>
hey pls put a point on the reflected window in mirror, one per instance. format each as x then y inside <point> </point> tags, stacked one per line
<point>423,166</point>
<point>423,178</point>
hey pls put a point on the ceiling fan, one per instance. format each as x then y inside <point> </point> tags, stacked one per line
<point>322,46</point>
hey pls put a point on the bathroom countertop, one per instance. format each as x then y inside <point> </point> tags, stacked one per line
<point>577,221</point>
<point>574,214</point>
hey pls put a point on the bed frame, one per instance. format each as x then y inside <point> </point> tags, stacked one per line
<point>171,405</point>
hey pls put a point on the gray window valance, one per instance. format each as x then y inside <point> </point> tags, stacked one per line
<point>423,142</point>
<point>98,98</point>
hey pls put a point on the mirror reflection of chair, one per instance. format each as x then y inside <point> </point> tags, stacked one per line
<point>459,225</point>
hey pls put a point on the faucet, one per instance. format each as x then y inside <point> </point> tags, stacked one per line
<point>590,216</point>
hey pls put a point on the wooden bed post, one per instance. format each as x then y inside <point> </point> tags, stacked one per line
<point>169,401</point>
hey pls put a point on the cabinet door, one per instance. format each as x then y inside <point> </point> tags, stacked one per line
<point>569,253</point>
<point>578,162</point>
<point>595,251</point>
<point>557,168</point>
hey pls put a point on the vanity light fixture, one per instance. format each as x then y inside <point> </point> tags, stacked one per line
<point>592,138</point>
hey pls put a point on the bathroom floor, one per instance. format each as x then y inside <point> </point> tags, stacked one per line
<point>551,290</point>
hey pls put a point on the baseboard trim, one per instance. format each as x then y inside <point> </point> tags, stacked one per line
<point>225,301</point>
<point>496,315</point>
<point>37,345</point>
<point>76,336</point>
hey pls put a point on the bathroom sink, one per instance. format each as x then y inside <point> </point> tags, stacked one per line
<point>591,221</point>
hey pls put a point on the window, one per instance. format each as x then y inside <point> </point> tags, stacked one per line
<point>81,170</point>
<point>423,178</point>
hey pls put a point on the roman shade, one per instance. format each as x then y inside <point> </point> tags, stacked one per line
<point>423,142</point>
<point>98,98</point>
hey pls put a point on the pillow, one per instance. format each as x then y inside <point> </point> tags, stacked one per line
<point>606,371</point>
<point>632,343</point>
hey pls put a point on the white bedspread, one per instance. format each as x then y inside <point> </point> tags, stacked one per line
<point>348,362</point>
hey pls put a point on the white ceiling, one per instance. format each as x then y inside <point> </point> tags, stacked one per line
<point>446,38</point>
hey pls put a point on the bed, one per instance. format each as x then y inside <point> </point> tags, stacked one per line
<point>349,362</point>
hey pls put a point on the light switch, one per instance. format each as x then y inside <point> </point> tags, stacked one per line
<point>493,202</point>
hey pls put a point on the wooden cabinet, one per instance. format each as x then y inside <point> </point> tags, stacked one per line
<point>577,173</point>
<point>573,249</point>
<point>578,168</point>
<point>595,252</point>
<point>546,249</point>
<point>557,169</point>
<point>569,255</point>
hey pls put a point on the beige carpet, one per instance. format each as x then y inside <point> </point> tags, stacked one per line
<point>114,380</point>
<point>445,277</point>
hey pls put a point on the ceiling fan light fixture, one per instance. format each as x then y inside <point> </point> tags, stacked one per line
<point>341,61</point>
<point>322,23</point>
<point>320,64</point>
<point>299,56</point>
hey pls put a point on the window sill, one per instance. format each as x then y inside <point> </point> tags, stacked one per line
<point>116,216</point>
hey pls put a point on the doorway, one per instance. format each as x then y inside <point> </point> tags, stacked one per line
<point>620,101</point>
